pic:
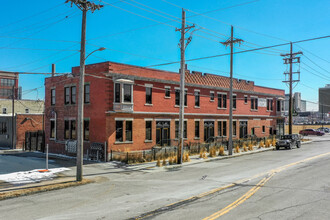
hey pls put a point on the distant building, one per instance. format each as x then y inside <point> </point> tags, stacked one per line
<point>324,99</point>
<point>298,104</point>
<point>28,118</point>
<point>8,84</point>
<point>303,106</point>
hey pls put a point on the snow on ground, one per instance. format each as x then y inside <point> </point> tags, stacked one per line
<point>31,176</point>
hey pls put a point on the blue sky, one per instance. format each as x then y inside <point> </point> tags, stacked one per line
<point>133,31</point>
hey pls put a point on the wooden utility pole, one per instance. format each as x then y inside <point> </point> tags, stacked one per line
<point>13,118</point>
<point>84,6</point>
<point>290,59</point>
<point>183,44</point>
<point>231,41</point>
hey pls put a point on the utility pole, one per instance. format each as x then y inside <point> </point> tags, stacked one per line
<point>291,58</point>
<point>231,41</point>
<point>183,44</point>
<point>13,117</point>
<point>84,6</point>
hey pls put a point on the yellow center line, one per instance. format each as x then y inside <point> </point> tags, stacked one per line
<point>253,190</point>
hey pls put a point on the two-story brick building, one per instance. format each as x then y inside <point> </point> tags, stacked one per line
<point>135,108</point>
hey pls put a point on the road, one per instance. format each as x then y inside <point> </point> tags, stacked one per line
<point>285,184</point>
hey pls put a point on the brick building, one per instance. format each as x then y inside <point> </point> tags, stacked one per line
<point>135,108</point>
<point>8,80</point>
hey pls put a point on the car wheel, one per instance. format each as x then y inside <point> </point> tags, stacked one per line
<point>298,145</point>
<point>277,147</point>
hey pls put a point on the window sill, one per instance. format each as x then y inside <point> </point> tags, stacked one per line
<point>222,108</point>
<point>211,100</point>
<point>196,138</point>
<point>177,139</point>
<point>147,104</point>
<point>167,97</point>
<point>148,141</point>
<point>178,106</point>
<point>254,110</point>
<point>124,142</point>
<point>197,107</point>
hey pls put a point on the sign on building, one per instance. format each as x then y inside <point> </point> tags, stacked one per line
<point>262,102</point>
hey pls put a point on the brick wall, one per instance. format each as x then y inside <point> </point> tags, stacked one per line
<point>24,123</point>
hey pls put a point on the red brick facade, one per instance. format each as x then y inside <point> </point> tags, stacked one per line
<point>105,110</point>
<point>24,123</point>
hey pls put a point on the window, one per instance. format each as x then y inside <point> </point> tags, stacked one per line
<point>117,92</point>
<point>197,99</point>
<point>167,92</point>
<point>7,82</point>
<point>252,131</point>
<point>67,95</point>
<point>66,129</point>
<point>52,129</point>
<point>4,110</point>
<point>52,98</point>
<point>263,129</point>
<point>269,104</point>
<point>119,131</point>
<point>129,131</point>
<point>73,95</point>
<point>224,128</point>
<point>245,99</point>
<point>234,128</point>
<point>196,129</point>
<point>219,128</point>
<point>222,101</point>
<point>6,92</point>
<point>177,129</point>
<point>86,93</point>
<point>177,97</point>
<point>73,130</point>
<point>254,103</point>
<point>211,96</point>
<point>234,101</point>
<point>27,110</point>
<point>3,128</point>
<point>127,93</point>
<point>278,105</point>
<point>149,130</point>
<point>86,130</point>
<point>148,95</point>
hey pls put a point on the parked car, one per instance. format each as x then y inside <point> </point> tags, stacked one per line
<point>311,132</point>
<point>288,141</point>
<point>325,130</point>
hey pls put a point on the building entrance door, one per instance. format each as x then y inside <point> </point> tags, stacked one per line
<point>243,129</point>
<point>163,133</point>
<point>208,131</point>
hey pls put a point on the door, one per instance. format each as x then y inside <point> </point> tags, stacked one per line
<point>242,129</point>
<point>163,133</point>
<point>208,131</point>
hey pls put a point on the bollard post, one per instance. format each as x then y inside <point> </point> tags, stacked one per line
<point>47,157</point>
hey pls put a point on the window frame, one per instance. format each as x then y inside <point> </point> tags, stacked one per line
<point>73,94</point>
<point>197,98</point>
<point>52,96</point>
<point>148,95</point>
<point>67,96</point>
<point>147,138</point>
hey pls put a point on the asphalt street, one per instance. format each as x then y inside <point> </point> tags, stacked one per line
<point>299,189</point>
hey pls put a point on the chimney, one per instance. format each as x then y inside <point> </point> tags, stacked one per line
<point>53,69</point>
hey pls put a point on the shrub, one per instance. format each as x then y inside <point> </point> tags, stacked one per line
<point>164,162</point>
<point>213,152</point>
<point>170,161</point>
<point>186,157</point>
<point>261,144</point>
<point>221,151</point>
<point>274,142</point>
<point>175,159</point>
<point>245,149</point>
<point>237,150</point>
<point>268,143</point>
<point>158,163</point>
<point>250,146</point>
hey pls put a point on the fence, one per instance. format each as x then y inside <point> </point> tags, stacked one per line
<point>157,152</point>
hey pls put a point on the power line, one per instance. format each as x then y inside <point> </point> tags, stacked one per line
<point>42,49</point>
<point>313,54</point>
<point>316,64</point>
<point>321,74</point>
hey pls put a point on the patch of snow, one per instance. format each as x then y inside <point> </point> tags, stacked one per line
<point>31,176</point>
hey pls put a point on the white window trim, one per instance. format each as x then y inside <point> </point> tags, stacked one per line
<point>148,119</point>
<point>197,120</point>
<point>179,119</point>
<point>223,93</point>
<point>148,85</point>
<point>124,119</point>
<point>54,138</point>
<point>197,90</point>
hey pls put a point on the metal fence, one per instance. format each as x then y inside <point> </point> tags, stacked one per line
<point>192,148</point>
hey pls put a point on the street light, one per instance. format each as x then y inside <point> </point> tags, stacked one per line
<point>100,49</point>
<point>80,134</point>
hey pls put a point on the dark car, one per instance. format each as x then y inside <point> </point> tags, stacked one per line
<point>288,141</point>
<point>324,129</point>
<point>311,132</point>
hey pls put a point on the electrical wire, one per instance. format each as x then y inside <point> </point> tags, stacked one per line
<point>316,64</point>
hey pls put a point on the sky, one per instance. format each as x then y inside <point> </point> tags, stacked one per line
<point>37,33</point>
